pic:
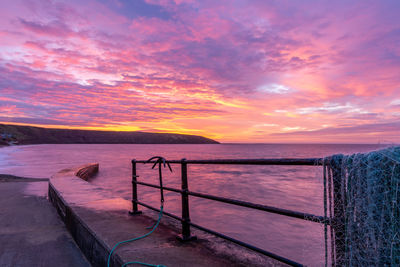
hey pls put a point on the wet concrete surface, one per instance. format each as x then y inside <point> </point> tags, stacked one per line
<point>98,220</point>
<point>31,232</point>
<point>13,178</point>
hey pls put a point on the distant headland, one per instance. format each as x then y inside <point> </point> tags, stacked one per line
<point>26,135</point>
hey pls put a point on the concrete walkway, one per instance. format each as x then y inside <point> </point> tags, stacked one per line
<point>31,232</point>
<point>98,220</point>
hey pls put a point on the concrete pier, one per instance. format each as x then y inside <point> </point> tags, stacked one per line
<point>31,232</point>
<point>98,220</point>
<point>90,221</point>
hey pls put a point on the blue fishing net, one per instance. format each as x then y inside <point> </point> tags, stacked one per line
<point>363,192</point>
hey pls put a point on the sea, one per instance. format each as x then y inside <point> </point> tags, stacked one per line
<point>297,188</point>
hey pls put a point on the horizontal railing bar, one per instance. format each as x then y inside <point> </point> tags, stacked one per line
<point>243,244</point>
<point>155,209</point>
<point>281,161</point>
<point>284,212</point>
<point>157,186</point>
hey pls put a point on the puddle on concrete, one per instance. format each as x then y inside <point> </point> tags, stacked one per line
<point>110,204</point>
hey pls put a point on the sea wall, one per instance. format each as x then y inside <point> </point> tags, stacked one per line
<point>98,220</point>
<point>92,246</point>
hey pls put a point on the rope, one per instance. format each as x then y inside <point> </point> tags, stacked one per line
<point>137,238</point>
<point>160,161</point>
<point>330,197</point>
<point>325,215</point>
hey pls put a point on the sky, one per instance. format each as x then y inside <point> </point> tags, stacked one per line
<point>236,71</point>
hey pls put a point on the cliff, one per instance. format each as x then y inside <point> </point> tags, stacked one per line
<point>25,135</point>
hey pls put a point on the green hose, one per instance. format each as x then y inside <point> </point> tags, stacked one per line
<point>142,263</point>
<point>137,238</point>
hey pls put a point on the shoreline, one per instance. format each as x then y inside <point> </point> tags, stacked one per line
<point>18,134</point>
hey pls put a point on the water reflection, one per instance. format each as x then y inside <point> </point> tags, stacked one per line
<point>291,187</point>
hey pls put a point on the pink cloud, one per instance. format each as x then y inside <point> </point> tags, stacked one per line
<point>54,28</point>
<point>165,62</point>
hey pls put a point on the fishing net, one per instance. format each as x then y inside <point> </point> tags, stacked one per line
<point>362,198</point>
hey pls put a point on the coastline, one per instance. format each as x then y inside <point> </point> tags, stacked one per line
<point>26,135</point>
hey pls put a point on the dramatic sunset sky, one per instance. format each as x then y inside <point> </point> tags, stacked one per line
<point>236,71</point>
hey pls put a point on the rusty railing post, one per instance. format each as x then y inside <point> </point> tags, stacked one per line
<point>134,190</point>
<point>185,236</point>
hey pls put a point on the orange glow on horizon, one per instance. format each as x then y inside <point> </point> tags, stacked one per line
<point>260,73</point>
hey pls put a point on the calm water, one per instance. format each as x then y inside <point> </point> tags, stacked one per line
<point>297,188</point>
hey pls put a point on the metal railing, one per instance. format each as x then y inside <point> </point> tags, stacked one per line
<point>185,193</point>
